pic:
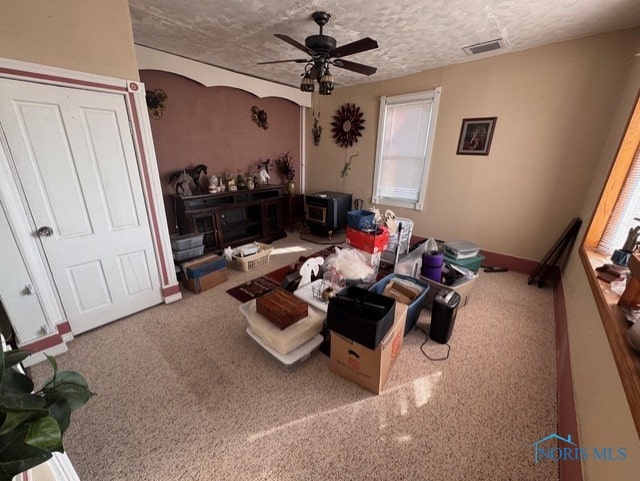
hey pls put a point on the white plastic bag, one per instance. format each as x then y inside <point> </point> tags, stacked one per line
<point>354,264</point>
<point>430,246</point>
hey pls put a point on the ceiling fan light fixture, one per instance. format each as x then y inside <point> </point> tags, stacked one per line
<point>307,83</point>
<point>326,82</point>
<point>322,50</point>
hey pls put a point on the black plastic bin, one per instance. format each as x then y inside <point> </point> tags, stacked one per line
<point>363,316</point>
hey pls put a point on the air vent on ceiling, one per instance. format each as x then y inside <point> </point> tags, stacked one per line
<point>483,47</point>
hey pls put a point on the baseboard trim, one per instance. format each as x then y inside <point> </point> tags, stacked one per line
<point>171,293</point>
<point>566,408</point>
<point>38,357</point>
<point>517,264</point>
<point>64,327</point>
<point>42,343</point>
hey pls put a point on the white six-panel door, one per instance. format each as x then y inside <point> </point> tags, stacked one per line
<point>76,162</point>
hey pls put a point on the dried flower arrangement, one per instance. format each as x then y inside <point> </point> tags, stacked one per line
<point>284,164</point>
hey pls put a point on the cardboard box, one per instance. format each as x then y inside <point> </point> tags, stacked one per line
<point>207,281</point>
<point>203,265</point>
<point>366,241</point>
<point>369,368</point>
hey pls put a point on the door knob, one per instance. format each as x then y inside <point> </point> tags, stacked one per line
<point>45,231</point>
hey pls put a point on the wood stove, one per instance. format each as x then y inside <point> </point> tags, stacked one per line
<point>326,212</point>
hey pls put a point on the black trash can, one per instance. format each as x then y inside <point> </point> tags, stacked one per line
<point>443,315</point>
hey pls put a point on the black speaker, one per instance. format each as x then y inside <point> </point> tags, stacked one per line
<point>443,315</point>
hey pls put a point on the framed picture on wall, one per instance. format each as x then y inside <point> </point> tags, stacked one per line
<point>476,135</point>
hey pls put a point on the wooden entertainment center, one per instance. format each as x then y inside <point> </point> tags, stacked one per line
<point>232,218</point>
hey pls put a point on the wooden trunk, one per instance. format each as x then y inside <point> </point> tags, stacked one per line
<point>282,308</point>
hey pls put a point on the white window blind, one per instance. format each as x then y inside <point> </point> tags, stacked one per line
<point>406,130</point>
<point>626,209</point>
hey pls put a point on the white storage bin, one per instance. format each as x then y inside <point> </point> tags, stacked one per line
<point>186,241</point>
<point>295,357</point>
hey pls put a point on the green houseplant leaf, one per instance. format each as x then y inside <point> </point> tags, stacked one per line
<point>32,423</point>
<point>16,456</point>
<point>44,433</point>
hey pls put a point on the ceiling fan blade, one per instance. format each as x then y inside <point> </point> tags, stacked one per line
<point>295,43</point>
<point>355,67</point>
<point>358,46</point>
<point>297,60</point>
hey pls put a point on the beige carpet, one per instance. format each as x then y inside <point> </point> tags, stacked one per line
<point>185,394</point>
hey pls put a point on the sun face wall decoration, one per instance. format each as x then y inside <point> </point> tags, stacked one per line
<point>347,124</point>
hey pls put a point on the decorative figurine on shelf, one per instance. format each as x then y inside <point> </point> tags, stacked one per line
<point>186,177</point>
<point>251,181</point>
<point>264,176</point>
<point>195,174</point>
<point>214,184</point>
<point>263,171</point>
<point>231,181</point>
<point>181,181</point>
<point>240,181</point>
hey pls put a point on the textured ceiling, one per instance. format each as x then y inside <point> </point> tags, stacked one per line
<point>413,35</point>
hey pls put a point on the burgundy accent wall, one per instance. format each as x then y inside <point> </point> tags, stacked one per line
<point>213,126</point>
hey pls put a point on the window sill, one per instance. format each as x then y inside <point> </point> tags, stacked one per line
<point>396,203</point>
<point>616,327</point>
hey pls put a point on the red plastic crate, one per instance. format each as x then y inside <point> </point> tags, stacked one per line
<point>368,242</point>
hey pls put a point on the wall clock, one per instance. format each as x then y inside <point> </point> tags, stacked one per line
<point>347,124</point>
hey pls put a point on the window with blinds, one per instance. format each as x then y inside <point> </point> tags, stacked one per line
<point>625,212</point>
<point>406,129</point>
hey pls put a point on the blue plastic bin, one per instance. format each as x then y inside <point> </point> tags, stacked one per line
<point>360,219</point>
<point>415,307</point>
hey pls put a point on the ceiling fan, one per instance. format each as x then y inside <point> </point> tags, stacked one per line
<point>323,52</point>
